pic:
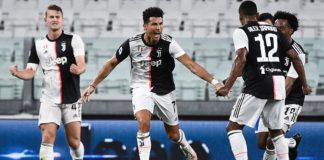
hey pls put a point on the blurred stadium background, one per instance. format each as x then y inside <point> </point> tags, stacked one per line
<point>202,27</point>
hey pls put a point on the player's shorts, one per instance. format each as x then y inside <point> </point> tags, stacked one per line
<point>59,113</point>
<point>164,106</point>
<point>248,108</point>
<point>291,114</point>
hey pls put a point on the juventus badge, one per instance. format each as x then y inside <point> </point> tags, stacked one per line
<point>63,44</point>
<point>159,52</point>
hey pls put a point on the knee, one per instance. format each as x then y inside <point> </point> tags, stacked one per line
<point>143,125</point>
<point>73,142</point>
<point>233,126</point>
<point>48,136</point>
<point>174,136</point>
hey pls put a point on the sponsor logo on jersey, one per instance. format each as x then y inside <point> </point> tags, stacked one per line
<point>120,50</point>
<point>55,61</point>
<point>263,70</point>
<point>63,44</point>
<point>152,63</point>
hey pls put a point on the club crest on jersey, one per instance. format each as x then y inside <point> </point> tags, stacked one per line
<point>286,61</point>
<point>63,44</point>
<point>120,50</point>
<point>159,52</point>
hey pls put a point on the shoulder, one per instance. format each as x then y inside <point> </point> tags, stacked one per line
<point>166,37</point>
<point>297,47</point>
<point>135,37</point>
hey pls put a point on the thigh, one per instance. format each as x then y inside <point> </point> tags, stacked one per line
<point>49,113</point>
<point>142,100</point>
<point>247,110</point>
<point>73,131</point>
<point>72,112</point>
<point>273,114</point>
<point>166,108</point>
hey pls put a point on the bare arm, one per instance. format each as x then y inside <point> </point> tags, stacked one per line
<point>198,70</point>
<point>26,74</point>
<point>79,67</point>
<point>298,65</point>
<point>236,71</point>
<point>106,69</point>
<point>289,83</point>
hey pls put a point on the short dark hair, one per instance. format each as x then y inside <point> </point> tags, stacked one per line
<point>291,19</point>
<point>248,8</point>
<point>55,8</point>
<point>152,12</point>
<point>265,16</point>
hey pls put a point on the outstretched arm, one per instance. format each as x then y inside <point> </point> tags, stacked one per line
<point>198,70</point>
<point>26,74</point>
<point>236,71</point>
<point>106,69</point>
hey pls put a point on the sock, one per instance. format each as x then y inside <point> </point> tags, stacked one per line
<point>78,153</point>
<point>182,139</point>
<point>46,152</point>
<point>144,145</point>
<point>269,154</point>
<point>290,142</point>
<point>238,144</point>
<point>281,147</point>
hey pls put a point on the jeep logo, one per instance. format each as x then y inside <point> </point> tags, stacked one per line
<point>59,60</point>
<point>152,63</point>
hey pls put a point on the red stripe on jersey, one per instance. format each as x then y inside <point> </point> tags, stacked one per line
<point>274,87</point>
<point>150,69</point>
<point>60,75</point>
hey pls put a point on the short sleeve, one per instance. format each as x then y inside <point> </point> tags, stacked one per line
<point>175,49</point>
<point>240,39</point>
<point>123,51</point>
<point>77,45</point>
<point>33,59</point>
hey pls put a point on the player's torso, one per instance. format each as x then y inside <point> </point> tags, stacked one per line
<point>263,61</point>
<point>55,59</point>
<point>152,66</point>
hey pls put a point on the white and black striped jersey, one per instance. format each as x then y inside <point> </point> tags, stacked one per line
<point>263,72</point>
<point>55,57</point>
<point>152,66</point>
<point>296,96</point>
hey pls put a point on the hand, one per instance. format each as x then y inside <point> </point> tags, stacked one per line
<point>85,97</point>
<point>307,90</point>
<point>223,91</point>
<point>74,69</point>
<point>13,69</point>
<point>217,86</point>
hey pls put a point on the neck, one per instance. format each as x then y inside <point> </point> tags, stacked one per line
<point>149,40</point>
<point>53,35</point>
<point>249,19</point>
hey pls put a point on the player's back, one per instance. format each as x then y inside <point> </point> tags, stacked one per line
<point>263,73</point>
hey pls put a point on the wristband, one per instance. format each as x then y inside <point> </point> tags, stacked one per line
<point>92,86</point>
<point>214,82</point>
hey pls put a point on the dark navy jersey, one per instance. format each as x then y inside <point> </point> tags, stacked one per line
<point>296,96</point>
<point>263,73</point>
<point>55,57</point>
<point>152,66</point>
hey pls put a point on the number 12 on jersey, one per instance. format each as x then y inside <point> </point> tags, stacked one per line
<point>270,41</point>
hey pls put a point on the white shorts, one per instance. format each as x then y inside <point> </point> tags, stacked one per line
<point>164,106</point>
<point>248,109</point>
<point>57,113</point>
<point>292,112</point>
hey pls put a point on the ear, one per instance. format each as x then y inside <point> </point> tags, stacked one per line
<point>145,26</point>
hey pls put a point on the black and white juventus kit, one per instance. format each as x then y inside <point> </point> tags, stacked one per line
<point>151,74</point>
<point>61,88</point>
<point>264,82</point>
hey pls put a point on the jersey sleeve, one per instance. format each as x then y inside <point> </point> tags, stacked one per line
<point>240,39</point>
<point>123,51</point>
<point>77,45</point>
<point>33,59</point>
<point>175,49</point>
<point>292,72</point>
